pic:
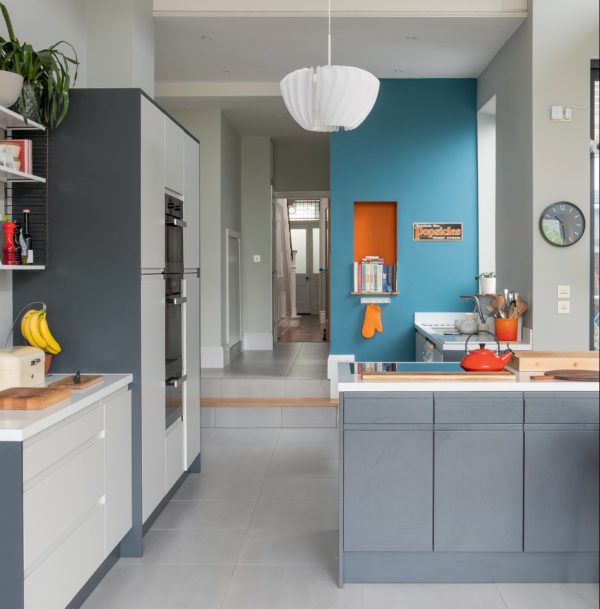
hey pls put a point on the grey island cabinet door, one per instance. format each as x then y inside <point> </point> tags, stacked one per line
<point>478,504</point>
<point>561,491</point>
<point>388,490</point>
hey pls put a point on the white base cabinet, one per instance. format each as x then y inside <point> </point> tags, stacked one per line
<point>77,489</point>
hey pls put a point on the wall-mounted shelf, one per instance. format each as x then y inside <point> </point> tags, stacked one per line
<point>9,119</point>
<point>22,267</point>
<point>374,293</point>
<point>12,175</point>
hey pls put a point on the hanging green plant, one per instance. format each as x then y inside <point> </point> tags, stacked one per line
<point>46,75</point>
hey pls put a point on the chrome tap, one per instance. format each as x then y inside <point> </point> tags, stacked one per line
<point>478,309</point>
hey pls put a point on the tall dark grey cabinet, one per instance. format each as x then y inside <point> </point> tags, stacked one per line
<point>110,165</point>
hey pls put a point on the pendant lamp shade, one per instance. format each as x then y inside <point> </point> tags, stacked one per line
<point>329,98</point>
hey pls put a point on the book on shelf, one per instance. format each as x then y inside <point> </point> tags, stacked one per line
<point>371,274</point>
<point>23,159</point>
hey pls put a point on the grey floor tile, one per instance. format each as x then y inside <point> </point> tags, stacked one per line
<point>236,439</point>
<point>308,370</point>
<point>547,596</point>
<point>253,388</point>
<point>161,587</point>
<point>300,489</point>
<point>314,416</point>
<point>209,546</point>
<point>288,464</point>
<point>309,436</point>
<point>307,515</point>
<point>199,487</point>
<point>211,373</point>
<point>290,588</point>
<point>432,596</point>
<point>190,515</point>
<point>207,416</point>
<point>229,464</point>
<point>306,388</point>
<point>290,547</point>
<point>210,388</point>
<point>591,592</point>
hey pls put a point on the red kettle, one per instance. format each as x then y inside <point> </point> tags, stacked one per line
<point>484,360</point>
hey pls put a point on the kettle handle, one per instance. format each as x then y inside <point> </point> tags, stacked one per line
<point>482,332</point>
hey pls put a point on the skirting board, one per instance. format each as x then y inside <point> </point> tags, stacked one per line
<point>332,372</point>
<point>212,357</point>
<point>258,341</point>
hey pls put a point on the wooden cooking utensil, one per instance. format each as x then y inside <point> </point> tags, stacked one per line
<point>592,376</point>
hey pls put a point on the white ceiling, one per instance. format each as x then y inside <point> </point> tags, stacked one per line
<point>267,48</point>
<point>264,49</point>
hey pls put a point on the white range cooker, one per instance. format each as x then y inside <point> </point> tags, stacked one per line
<point>438,340</point>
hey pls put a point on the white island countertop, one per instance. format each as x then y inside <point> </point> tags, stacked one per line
<point>19,425</point>
<point>350,381</point>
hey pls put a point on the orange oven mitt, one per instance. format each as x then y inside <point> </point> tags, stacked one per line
<point>372,321</point>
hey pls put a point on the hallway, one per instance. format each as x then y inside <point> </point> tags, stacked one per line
<point>258,530</point>
<point>309,330</point>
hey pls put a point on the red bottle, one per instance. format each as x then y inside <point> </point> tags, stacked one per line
<point>9,251</point>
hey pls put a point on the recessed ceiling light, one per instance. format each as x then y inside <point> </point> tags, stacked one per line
<point>226,71</point>
<point>412,37</point>
<point>206,37</point>
<point>398,70</point>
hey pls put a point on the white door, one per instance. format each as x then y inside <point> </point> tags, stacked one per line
<point>306,243</point>
<point>234,317</point>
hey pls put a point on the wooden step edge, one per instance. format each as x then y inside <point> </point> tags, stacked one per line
<point>269,402</point>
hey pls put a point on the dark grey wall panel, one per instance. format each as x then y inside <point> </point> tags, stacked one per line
<point>11,525</point>
<point>92,283</point>
<point>475,407</point>
<point>478,503</point>
<point>561,491</point>
<point>388,490</point>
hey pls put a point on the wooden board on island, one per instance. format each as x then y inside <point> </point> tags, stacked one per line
<point>394,375</point>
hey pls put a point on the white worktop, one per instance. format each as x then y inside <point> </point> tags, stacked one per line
<point>456,342</point>
<point>19,425</point>
<point>349,381</point>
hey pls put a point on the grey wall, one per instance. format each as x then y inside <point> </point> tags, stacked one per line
<point>301,164</point>
<point>256,239</point>
<point>508,77</point>
<point>565,38</point>
<point>231,214</point>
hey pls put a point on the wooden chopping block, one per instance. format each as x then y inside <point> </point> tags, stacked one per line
<point>86,381</point>
<point>532,361</point>
<point>592,376</point>
<point>504,375</point>
<point>32,398</point>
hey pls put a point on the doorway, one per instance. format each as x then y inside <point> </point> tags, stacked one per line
<point>300,277</point>
<point>233,291</point>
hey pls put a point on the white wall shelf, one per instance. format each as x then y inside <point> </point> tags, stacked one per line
<point>22,267</point>
<point>7,174</point>
<point>12,120</point>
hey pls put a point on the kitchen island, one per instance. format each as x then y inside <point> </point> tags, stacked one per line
<point>66,500</point>
<point>467,481</point>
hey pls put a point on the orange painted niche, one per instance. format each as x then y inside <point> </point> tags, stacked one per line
<point>375,230</point>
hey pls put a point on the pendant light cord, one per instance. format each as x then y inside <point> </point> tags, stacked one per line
<point>329,37</point>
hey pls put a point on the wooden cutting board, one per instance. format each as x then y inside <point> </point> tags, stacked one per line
<point>87,380</point>
<point>592,376</point>
<point>504,375</point>
<point>32,398</point>
<point>531,361</point>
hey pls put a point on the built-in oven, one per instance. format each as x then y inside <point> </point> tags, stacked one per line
<point>174,231</point>
<point>174,307</point>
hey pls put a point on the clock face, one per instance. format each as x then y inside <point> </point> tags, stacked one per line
<point>562,223</point>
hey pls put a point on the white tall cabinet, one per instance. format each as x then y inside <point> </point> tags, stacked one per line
<point>169,164</point>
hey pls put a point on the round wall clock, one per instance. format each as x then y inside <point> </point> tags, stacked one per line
<point>562,224</point>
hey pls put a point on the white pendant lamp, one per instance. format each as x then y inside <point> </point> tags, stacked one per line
<point>329,98</point>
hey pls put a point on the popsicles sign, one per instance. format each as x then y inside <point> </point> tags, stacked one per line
<point>437,231</point>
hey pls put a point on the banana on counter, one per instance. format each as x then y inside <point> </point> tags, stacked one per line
<point>35,330</point>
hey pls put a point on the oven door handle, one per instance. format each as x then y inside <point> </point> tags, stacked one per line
<point>176,381</point>
<point>176,222</point>
<point>176,300</point>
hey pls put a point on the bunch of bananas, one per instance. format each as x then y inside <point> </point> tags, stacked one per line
<point>35,330</point>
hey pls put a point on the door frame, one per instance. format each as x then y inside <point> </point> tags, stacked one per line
<point>235,235</point>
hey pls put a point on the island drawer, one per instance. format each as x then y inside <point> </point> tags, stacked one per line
<point>374,408</point>
<point>562,407</point>
<point>58,441</point>
<point>478,407</point>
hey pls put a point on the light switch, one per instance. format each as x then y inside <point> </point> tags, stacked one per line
<point>556,113</point>
<point>256,257</point>
<point>564,306</point>
<point>564,291</point>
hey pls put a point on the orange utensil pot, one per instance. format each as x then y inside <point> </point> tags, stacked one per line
<point>506,329</point>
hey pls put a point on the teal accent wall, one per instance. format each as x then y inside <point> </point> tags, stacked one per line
<point>417,147</point>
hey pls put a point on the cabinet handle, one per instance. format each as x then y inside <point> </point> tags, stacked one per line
<point>176,300</point>
<point>176,382</point>
<point>176,222</point>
